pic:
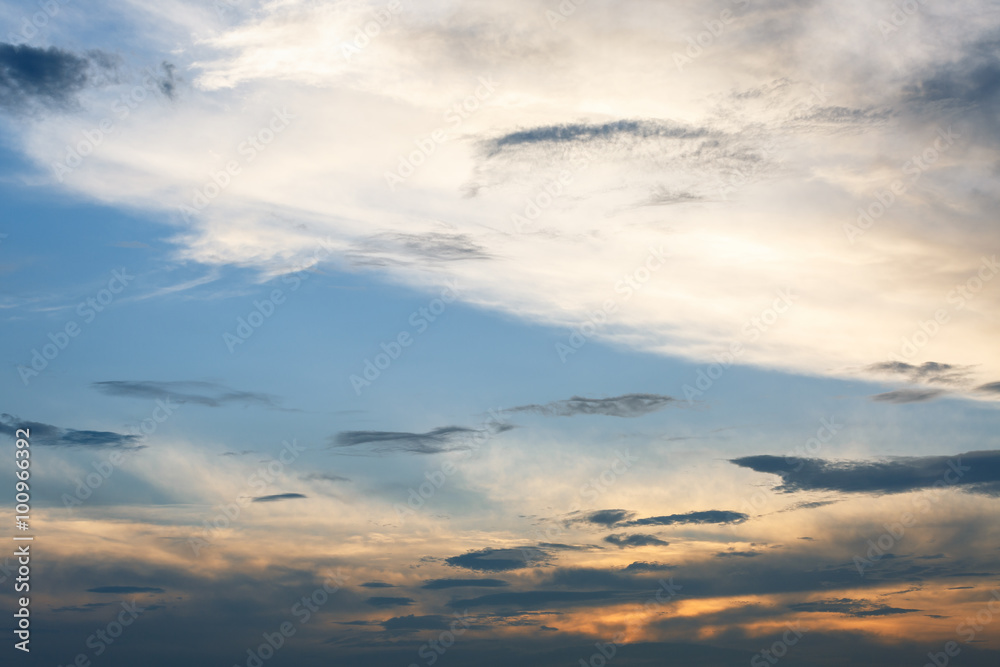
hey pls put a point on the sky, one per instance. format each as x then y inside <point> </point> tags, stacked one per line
<point>475,333</point>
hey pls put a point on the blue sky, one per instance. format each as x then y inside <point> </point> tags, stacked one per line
<point>694,296</point>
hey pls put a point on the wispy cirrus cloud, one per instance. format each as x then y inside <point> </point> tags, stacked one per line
<point>435,441</point>
<point>908,395</point>
<point>278,496</point>
<point>208,394</point>
<point>930,372</point>
<point>849,607</point>
<point>627,405</point>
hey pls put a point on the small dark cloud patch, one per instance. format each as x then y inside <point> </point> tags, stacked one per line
<point>908,395</point>
<point>168,82</point>
<point>848,607</point>
<point>556,546</point>
<point>439,584</point>
<point>645,566</point>
<point>990,388</point>
<point>627,405</point>
<point>737,554</point>
<point>90,606</point>
<point>581,133</point>
<point>323,477</point>
<point>437,441</point>
<point>209,394</point>
<point>125,590</point>
<point>32,77</point>
<point>413,623</point>
<point>499,560</point>
<point>605,518</point>
<point>708,516</point>
<point>534,599</point>
<point>389,602</point>
<point>930,372</point>
<point>974,472</point>
<point>278,496</point>
<point>54,436</point>
<point>623,541</point>
<point>377,584</point>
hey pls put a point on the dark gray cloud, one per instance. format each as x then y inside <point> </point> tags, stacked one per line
<point>89,607</point>
<point>32,77</point>
<point>707,516</point>
<point>972,80</point>
<point>389,602</point>
<point>412,623</point>
<point>623,541</point>
<point>646,566</point>
<point>620,517</point>
<point>534,599</point>
<point>930,372</point>
<point>168,83</point>
<point>992,388</point>
<point>848,607</point>
<point>499,560</point>
<point>737,554</point>
<point>908,395</point>
<point>208,394</point>
<point>581,133</point>
<point>278,496</point>
<point>378,584</point>
<point>323,477</point>
<point>977,472</point>
<point>125,590</point>
<point>54,436</point>
<point>627,405</point>
<point>605,517</point>
<point>439,440</point>
<point>438,584</point>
